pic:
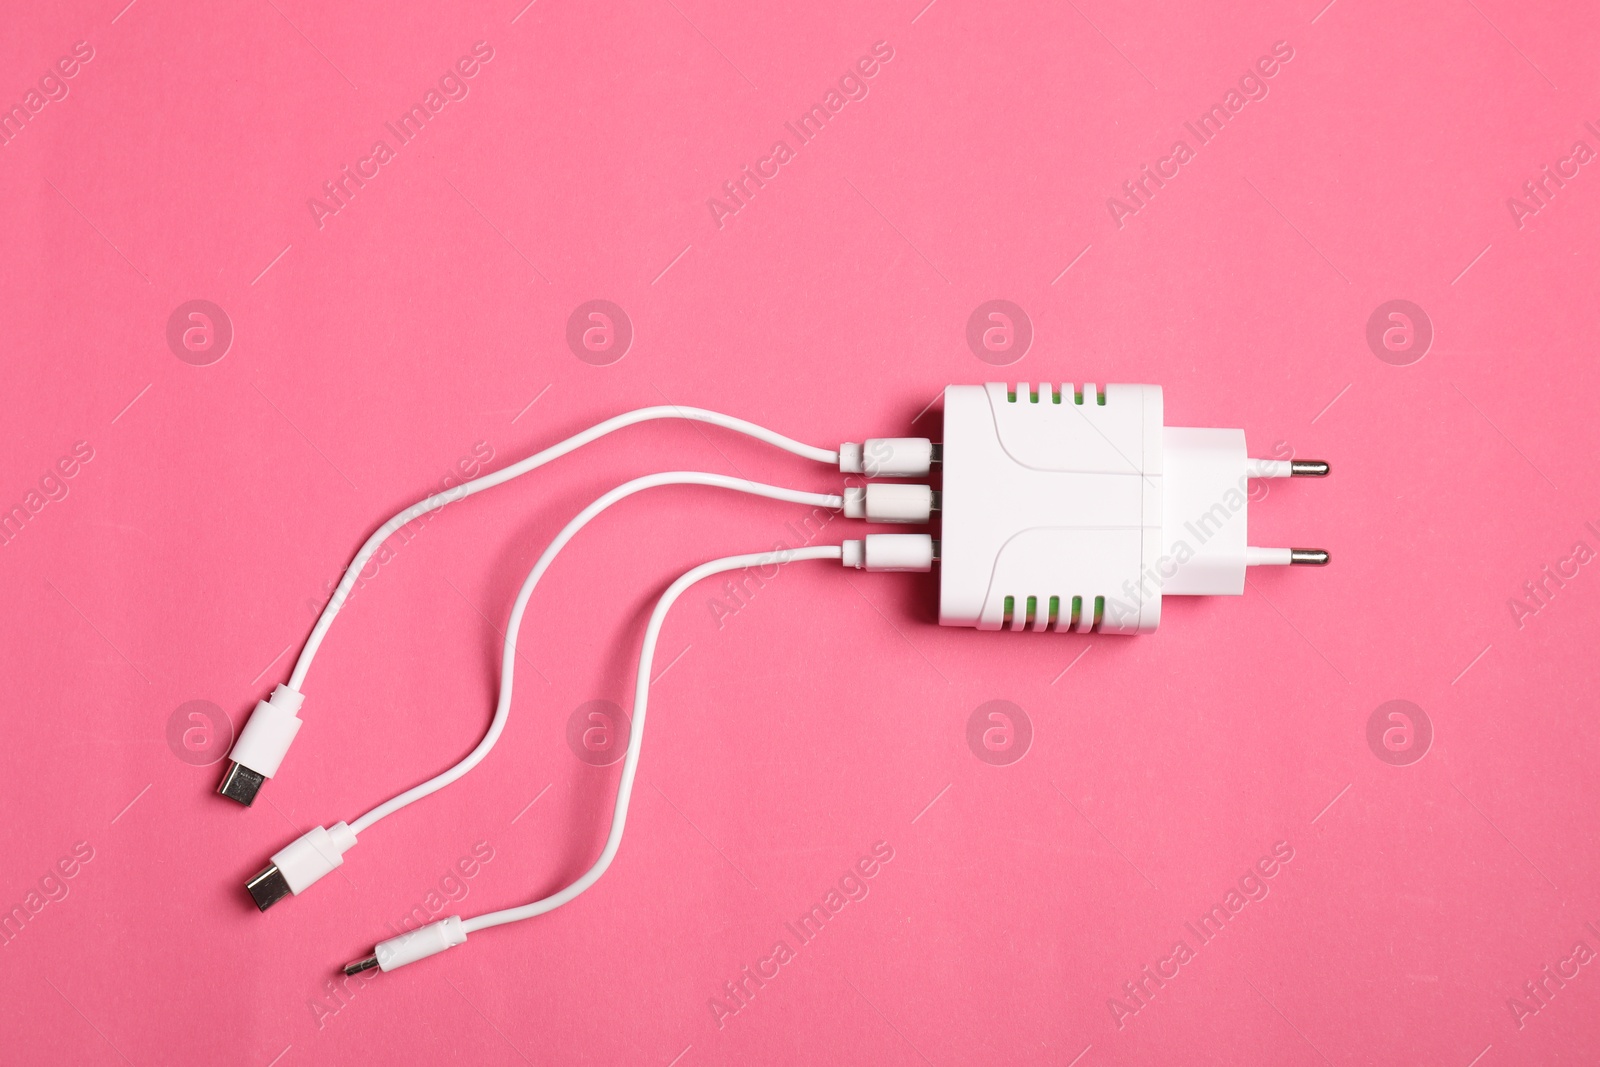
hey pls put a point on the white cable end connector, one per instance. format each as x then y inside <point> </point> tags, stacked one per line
<point>304,860</point>
<point>891,552</point>
<point>262,744</point>
<point>890,502</point>
<point>417,945</point>
<point>889,457</point>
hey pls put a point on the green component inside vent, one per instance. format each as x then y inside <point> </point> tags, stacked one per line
<point>1054,620</point>
<point>1100,398</point>
<point>1056,396</point>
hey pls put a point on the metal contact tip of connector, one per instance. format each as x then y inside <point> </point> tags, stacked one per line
<point>241,784</point>
<point>365,964</point>
<point>1307,468</point>
<point>1308,557</point>
<point>268,887</point>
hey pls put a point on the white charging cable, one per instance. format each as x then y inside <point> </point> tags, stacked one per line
<point>272,726</point>
<point>1060,508</point>
<point>447,933</point>
<point>321,850</point>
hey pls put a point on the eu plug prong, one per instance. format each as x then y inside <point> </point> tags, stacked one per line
<point>1287,468</point>
<point>1284,557</point>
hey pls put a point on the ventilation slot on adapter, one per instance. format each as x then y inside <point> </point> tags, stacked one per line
<point>1054,620</point>
<point>1098,396</point>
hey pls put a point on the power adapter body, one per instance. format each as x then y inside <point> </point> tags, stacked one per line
<point>1077,509</point>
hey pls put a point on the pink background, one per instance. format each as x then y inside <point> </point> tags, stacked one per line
<point>829,713</point>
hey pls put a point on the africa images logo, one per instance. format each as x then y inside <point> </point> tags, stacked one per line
<point>452,86</point>
<point>852,86</point>
<point>1251,887</point>
<point>1252,85</point>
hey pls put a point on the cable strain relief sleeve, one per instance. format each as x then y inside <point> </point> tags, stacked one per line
<point>420,944</point>
<point>850,458</point>
<point>313,855</point>
<point>290,700</point>
<point>342,836</point>
<point>271,729</point>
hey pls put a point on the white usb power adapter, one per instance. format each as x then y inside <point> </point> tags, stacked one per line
<point>1069,508</point>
